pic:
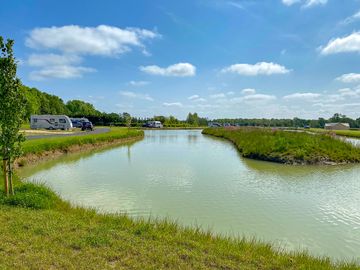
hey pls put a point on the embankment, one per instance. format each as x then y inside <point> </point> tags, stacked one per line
<point>288,147</point>
<point>50,148</point>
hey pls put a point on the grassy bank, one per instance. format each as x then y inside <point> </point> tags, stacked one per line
<point>288,147</point>
<point>63,143</point>
<point>345,133</point>
<point>40,231</point>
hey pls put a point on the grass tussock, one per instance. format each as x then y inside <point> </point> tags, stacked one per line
<point>39,231</point>
<point>63,143</point>
<point>288,147</point>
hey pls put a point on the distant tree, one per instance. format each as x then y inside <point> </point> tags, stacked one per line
<point>12,112</point>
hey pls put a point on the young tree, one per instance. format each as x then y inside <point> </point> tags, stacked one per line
<point>127,119</point>
<point>12,112</point>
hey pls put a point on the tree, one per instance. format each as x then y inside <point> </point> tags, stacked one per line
<point>81,108</point>
<point>127,119</point>
<point>12,112</point>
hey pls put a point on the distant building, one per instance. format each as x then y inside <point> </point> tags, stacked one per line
<point>337,126</point>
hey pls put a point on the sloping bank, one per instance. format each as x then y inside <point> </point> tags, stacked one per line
<point>49,148</point>
<point>288,147</point>
<point>40,231</point>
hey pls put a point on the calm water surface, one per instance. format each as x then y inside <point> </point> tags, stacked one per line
<point>200,180</point>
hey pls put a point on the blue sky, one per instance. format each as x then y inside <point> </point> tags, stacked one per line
<point>273,58</point>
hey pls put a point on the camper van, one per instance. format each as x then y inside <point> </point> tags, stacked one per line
<point>51,122</point>
<point>153,124</point>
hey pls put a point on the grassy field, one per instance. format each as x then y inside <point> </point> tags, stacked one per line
<point>346,133</point>
<point>40,231</point>
<point>288,147</point>
<point>62,143</point>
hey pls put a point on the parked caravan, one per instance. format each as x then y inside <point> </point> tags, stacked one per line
<point>153,124</point>
<point>51,122</point>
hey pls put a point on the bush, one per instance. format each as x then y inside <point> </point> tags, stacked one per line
<point>30,195</point>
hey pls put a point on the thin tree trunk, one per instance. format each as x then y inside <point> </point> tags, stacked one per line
<point>6,182</point>
<point>10,172</point>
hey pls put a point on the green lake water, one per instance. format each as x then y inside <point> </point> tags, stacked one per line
<point>203,181</point>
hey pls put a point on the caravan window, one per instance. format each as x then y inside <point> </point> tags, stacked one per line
<point>35,120</point>
<point>62,121</point>
<point>52,120</point>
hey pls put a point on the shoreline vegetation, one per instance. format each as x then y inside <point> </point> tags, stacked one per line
<point>50,148</point>
<point>40,230</point>
<point>296,148</point>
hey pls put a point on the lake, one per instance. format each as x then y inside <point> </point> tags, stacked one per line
<point>203,181</point>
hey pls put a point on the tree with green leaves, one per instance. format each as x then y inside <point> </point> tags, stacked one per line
<point>127,119</point>
<point>12,112</point>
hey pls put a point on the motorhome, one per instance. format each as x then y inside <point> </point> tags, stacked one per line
<point>153,124</point>
<point>51,122</point>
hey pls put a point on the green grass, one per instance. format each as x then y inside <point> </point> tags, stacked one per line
<point>346,133</point>
<point>39,231</point>
<point>288,147</point>
<point>63,143</point>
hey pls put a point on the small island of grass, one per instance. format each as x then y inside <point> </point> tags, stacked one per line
<point>288,147</point>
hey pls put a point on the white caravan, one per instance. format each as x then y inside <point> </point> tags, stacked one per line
<point>51,122</point>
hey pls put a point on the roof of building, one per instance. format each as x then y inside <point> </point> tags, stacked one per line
<point>334,124</point>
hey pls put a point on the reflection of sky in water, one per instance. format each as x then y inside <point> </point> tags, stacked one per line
<point>201,180</point>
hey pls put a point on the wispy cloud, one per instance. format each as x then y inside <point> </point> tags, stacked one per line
<point>305,3</point>
<point>302,96</point>
<point>60,72</point>
<point>173,104</point>
<point>134,95</point>
<point>353,18</point>
<point>139,83</point>
<point>176,70</point>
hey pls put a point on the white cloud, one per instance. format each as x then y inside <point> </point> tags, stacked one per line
<point>248,91</point>
<point>349,43</point>
<point>302,96</point>
<point>349,78</point>
<point>56,66</point>
<point>312,3</point>
<point>101,40</point>
<point>306,3</point>
<point>173,104</point>
<point>351,19</point>
<point>193,97</point>
<point>220,95</point>
<point>134,95</point>
<point>290,2</point>
<point>261,68</point>
<point>258,97</point>
<point>177,70</point>
<point>139,83</point>
<point>60,72</point>
<point>50,59</point>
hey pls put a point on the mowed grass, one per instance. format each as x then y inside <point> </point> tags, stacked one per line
<point>288,147</point>
<point>40,231</point>
<point>38,146</point>
<point>346,133</point>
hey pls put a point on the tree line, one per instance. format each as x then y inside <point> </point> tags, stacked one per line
<point>39,102</point>
<point>295,122</point>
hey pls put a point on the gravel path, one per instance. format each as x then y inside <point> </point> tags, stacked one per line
<point>80,133</point>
